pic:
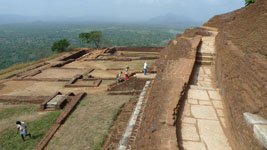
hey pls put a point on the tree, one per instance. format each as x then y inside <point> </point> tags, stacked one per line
<point>92,37</point>
<point>60,46</point>
<point>249,2</point>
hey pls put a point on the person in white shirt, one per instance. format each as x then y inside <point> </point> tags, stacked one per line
<point>145,68</point>
<point>22,127</point>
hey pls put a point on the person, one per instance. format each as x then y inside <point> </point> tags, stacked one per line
<point>118,77</point>
<point>145,68</point>
<point>127,73</point>
<point>22,127</point>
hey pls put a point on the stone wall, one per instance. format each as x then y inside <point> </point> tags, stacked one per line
<point>139,49</point>
<point>174,67</point>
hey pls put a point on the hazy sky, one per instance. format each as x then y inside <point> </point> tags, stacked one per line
<point>127,9</point>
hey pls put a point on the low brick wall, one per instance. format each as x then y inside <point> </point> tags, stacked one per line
<point>59,121</point>
<point>75,55</point>
<point>138,49</point>
<point>23,99</point>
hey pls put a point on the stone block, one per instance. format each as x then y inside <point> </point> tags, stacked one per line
<point>260,132</point>
<point>218,104</point>
<point>189,120</point>
<point>214,95</point>
<point>193,146</point>
<point>204,102</point>
<point>192,101</point>
<point>189,132</point>
<point>211,132</point>
<point>198,94</point>
<point>252,119</point>
<point>203,112</point>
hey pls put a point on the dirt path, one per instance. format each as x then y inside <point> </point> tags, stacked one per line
<point>203,124</point>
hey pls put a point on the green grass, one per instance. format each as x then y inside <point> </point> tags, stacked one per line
<point>9,140</point>
<point>102,139</point>
<point>16,111</point>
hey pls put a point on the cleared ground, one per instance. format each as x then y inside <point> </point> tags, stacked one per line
<point>31,88</point>
<point>60,73</point>
<point>88,126</point>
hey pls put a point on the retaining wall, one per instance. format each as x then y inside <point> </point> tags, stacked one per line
<point>157,130</point>
<point>138,49</point>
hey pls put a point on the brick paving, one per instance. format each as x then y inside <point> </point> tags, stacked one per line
<point>203,122</point>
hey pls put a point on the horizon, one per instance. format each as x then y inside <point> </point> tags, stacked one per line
<point>117,10</point>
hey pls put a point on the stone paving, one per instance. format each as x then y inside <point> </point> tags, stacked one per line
<point>203,122</point>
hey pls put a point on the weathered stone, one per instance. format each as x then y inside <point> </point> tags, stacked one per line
<point>253,119</point>
<point>218,104</point>
<point>214,95</point>
<point>192,101</point>
<point>189,120</point>
<point>193,145</point>
<point>260,132</point>
<point>189,132</point>
<point>203,112</point>
<point>212,134</point>
<point>220,112</point>
<point>198,94</point>
<point>204,102</point>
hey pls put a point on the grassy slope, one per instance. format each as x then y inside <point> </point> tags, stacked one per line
<point>9,140</point>
<point>16,110</point>
<point>89,124</point>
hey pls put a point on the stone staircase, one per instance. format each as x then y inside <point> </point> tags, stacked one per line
<point>206,58</point>
<point>203,123</point>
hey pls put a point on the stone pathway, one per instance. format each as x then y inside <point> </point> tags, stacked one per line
<point>203,122</point>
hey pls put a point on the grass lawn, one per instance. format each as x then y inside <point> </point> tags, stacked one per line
<point>88,126</point>
<point>16,110</point>
<point>9,140</point>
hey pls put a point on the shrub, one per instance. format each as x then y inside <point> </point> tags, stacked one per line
<point>249,2</point>
<point>60,46</point>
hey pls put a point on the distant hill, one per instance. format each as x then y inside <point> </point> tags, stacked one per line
<point>14,19</point>
<point>172,19</point>
<point>10,19</point>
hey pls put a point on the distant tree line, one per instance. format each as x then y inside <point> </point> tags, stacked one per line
<point>21,43</point>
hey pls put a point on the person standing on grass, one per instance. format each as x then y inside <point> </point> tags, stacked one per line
<point>22,127</point>
<point>145,68</point>
<point>127,73</point>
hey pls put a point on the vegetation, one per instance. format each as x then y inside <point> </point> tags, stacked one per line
<point>9,140</point>
<point>23,66</point>
<point>92,37</point>
<point>21,43</point>
<point>16,110</point>
<point>60,46</point>
<point>249,1</point>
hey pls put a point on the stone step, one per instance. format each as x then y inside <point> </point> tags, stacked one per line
<point>195,87</point>
<point>205,54</point>
<point>202,62</point>
<point>205,58</point>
